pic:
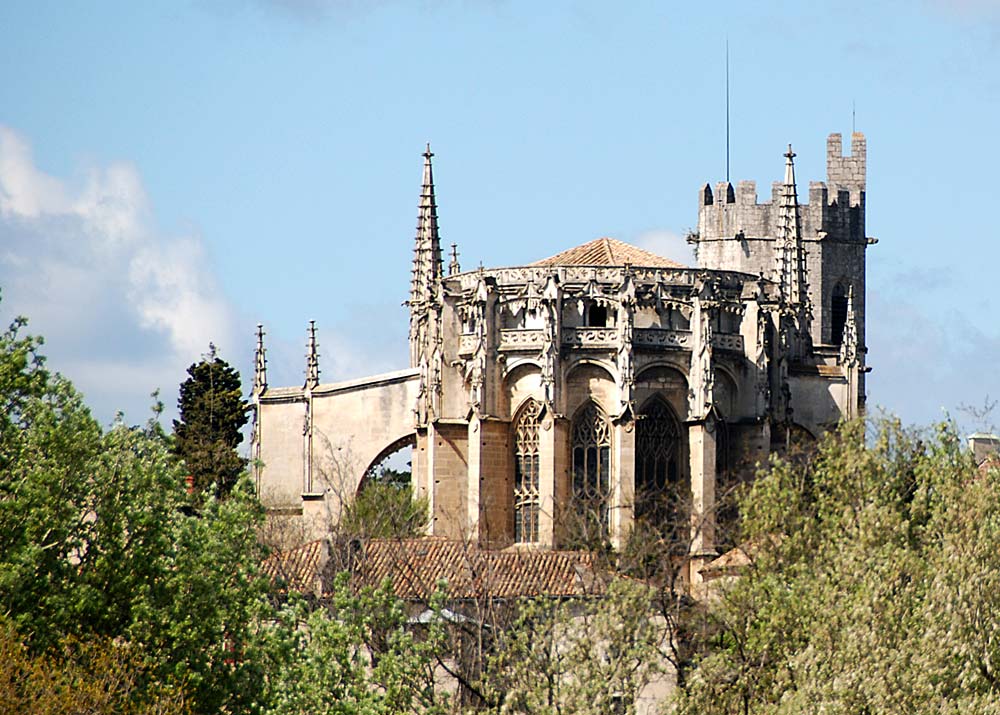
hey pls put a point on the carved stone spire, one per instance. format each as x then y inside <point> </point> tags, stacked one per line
<point>259,363</point>
<point>789,258</point>
<point>312,358</point>
<point>849,343</point>
<point>427,260</point>
<point>453,266</point>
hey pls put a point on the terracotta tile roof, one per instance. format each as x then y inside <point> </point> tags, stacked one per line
<point>297,569</point>
<point>415,566</point>
<point>607,252</point>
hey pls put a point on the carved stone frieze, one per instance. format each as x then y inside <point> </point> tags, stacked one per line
<point>590,337</point>
<point>662,338</point>
<point>519,339</point>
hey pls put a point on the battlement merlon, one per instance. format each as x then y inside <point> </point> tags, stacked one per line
<point>835,210</point>
<point>847,172</point>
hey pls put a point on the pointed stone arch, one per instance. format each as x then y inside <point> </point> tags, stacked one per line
<point>527,462</point>
<point>590,460</point>
<point>406,442</point>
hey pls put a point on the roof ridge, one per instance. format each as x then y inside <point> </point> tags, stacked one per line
<point>607,251</point>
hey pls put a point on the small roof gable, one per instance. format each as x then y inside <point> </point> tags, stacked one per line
<point>607,252</point>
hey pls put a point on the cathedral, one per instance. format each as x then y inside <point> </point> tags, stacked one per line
<point>591,387</point>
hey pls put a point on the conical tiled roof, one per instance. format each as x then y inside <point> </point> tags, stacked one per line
<point>607,252</point>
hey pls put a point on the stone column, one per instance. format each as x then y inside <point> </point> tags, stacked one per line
<point>475,478</point>
<point>430,444</point>
<point>622,483</point>
<point>548,463</point>
<point>701,447</point>
<point>421,477</point>
<point>702,434</point>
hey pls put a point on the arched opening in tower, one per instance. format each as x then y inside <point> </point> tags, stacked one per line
<point>838,314</point>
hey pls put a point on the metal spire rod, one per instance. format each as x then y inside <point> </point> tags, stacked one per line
<point>727,109</point>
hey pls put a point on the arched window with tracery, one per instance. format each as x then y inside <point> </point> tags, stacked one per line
<point>592,469</point>
<point>526,463</point>
<point>657,461</point>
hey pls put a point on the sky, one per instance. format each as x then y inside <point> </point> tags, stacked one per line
<point>174,173</point>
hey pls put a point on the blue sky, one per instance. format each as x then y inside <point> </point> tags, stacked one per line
<point>175,172</point>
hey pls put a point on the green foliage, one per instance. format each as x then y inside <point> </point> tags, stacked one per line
<point>96,543</point>
<point>212,412</point>
<point>359,656</point>
<point>80,678</point>
<point>578,656</point>
<point>384,510</point>
<point>875,585</point>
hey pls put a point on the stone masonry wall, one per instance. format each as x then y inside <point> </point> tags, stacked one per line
<point>496,488</point>
<point>451,471</point>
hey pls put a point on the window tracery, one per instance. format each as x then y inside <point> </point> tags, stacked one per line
<point>657,447</point>
<point>526,466</point>
<point>592,466</point>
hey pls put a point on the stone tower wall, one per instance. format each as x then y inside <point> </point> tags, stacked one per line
<point>736,232</point>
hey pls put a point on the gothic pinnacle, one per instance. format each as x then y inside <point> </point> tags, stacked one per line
<point>427,259</point>
<point>789,261</point>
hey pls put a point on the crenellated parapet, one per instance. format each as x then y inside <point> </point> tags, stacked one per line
<point>835,211</point>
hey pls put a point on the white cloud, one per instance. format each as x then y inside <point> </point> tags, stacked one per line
<point>667,244</point>
<point>124,308</point>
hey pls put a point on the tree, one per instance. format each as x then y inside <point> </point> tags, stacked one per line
<point>96,545</point>
<point>357,656</point>
<point>212,413</point>
<point>874,584</point>
<point>80,678</point>
<point>584,656</point>
<point>384,508</point>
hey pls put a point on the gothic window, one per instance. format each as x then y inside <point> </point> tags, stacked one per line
<point>597,316</point>
<point>592,467</point>
<point>657,455</point>
<point>526,473</point>
<point>838,314</point>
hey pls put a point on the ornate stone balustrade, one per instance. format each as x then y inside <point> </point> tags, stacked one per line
<point>728,341</point>
<point>662,338</point>
<point>513,339</point>
<point>590,337</point>
<point>602,338</point>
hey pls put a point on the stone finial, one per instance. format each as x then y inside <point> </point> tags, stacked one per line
<point>789,166</point>
<point>453,266</point>
<point>259,363</point>
<point>312,358</point>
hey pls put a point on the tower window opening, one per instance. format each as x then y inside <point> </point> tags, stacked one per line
<point>838,314</point>
<point>526,478</point>
<point>597,316</point>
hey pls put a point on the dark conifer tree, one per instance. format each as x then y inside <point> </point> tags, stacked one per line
<point>212,412</point>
